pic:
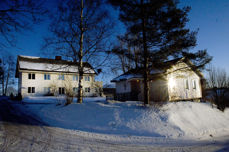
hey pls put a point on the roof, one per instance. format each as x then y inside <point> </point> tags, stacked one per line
<point>109,86</point>
<point>31,63</point>
<point>138,73</point>
<point>126,76</point>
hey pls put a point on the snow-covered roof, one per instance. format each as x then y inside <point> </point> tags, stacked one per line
<point>50,65</point>
<point>109,86</point>
<point>137,73</point>
<point>124,77</point>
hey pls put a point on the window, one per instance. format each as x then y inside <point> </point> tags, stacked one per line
<point>61,90</point>
<point>87,89</point>
<point>47,89</point>
<point>31,89</point>
<point>75,77</point>
<point>87,78</point>
<point>194,84</point>
<point>75,90</point>
<point>124,86</point>
<point>186,84</point>
<point>61,77</point>
<point>46,76</point>
<point>31,76</point>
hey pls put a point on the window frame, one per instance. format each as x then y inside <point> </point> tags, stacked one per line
<point>87,78</point>
<point>87,89</point>
<point>186,84</point>
<point>75,78</point>
<point>194,84</point>
<point>61,77</point>
<point>31,76</point>
<point>47,76</point>
<point>75,89</point>
<point>61,90</point>
<point>47,89</point>
<point>31,90</point>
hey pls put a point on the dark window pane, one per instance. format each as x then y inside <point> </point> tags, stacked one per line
<point>33,89</point>
<point>29,76</point>
<point>59,90</point>
<point>63,91</point>
<point>33,76</point>
<point>29,89</point>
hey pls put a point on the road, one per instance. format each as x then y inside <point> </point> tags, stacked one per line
<point>20,132</point>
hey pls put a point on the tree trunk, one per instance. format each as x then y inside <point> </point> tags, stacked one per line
<point>3,84</point>
<point>146,69</point>
<point>80,67</point>
<point>7,80</point>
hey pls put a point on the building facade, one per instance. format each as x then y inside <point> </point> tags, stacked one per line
<point>41,76</point>
<point>179,82</point>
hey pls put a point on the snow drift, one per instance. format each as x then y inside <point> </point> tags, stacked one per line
<point>177,120</point>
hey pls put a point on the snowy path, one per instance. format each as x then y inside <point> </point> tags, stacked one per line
<point>23,138</point>
<point>21,133</point>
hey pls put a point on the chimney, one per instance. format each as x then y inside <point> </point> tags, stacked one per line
<point>57,57</point>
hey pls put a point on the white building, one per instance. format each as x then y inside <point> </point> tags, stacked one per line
<point>42,76</point>
<point>179,82</point>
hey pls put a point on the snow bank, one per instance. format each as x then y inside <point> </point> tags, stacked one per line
<point>198,119</point>
<point>180,120</point>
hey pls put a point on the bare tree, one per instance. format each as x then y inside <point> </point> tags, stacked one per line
<point>80,32</point>
<point>7,65</point>
<point>126,54</point>
<point>218,83</point>
<point>16,16</point>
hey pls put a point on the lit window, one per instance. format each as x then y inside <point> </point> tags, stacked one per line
<point>171,83</point>
<point>46,76</point>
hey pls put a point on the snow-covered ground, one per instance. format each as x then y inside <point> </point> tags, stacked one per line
<point>103,119</point>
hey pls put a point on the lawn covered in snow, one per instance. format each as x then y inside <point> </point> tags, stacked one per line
<point>175,120</point>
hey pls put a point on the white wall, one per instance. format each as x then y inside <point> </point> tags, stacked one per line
<point>179,91</point>
<point>39,83</point>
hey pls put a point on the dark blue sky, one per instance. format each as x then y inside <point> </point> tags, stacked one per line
<point>210,16</point>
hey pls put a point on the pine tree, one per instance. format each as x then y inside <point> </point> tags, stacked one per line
<point>161,31</point>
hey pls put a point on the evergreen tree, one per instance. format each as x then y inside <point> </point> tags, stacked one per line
<point>160,27</point>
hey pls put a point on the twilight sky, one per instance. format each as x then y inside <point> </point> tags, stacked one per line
<point>210,16</point>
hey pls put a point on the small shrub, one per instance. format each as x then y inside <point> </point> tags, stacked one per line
<point>11,96</point>
<point>69,100</point>
<point>19,97</point>
<point>49,94</point>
